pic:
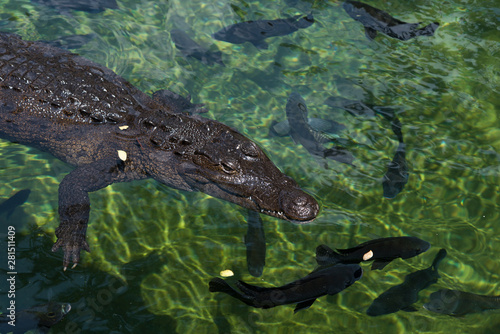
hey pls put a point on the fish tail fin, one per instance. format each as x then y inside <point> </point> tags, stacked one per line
<point>439,257</point>
<point>428,30</point>
<point>325,255</point>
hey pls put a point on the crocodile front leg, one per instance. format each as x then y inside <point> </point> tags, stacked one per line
<point>74,204</point>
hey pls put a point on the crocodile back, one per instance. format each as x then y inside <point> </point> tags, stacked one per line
<point>44,81</point>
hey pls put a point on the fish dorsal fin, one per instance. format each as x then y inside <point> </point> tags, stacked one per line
<point>370,33</point>
<point>304,305</point>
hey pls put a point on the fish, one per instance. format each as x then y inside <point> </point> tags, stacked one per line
<point>90,6</point>
<point>255,242</point>
<point>375,20</point>
<point>328,127</point>
<point>9,205</point>
<point>40,318</point>
<point>383,251</point>
<point>302,133</point>
<point>190,48</point>
<point>360,109</point>
<point>328,280</point>
<point>402,296</point>
<point>460,303</point>
<point>397,174</point>
<point>256,31</point>
<point>178,103</point>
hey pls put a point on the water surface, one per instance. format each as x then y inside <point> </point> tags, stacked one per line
<point>154,249</point>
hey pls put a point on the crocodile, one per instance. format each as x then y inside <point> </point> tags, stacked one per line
<point>89,117</point>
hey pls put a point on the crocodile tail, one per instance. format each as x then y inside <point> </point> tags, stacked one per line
<point>325,255</point>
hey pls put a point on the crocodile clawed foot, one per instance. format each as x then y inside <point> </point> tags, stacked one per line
<point>71,248</point>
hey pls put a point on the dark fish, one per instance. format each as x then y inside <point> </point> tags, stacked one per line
<point>71,41</point>
<point>397,174</point>
<point>301,132</point>
<point>328,127</point>
<point>303,292</point>
<point>374,20</point>
<point>256,244</point>
<point>9,205</point>
<point>178,103</point>
<point>256,31</point>
<point>459,303</point>
<point>383,251</point>
<point>360,109</point>
<point>402,296</point>
<point>40,318</point>
<point>91,6</point>
<point>190,48</point>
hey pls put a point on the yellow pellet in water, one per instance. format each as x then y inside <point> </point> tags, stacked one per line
<point>123,127</point>
<point>226,273</point>
<point>367,256</point>
<point>122,155</point>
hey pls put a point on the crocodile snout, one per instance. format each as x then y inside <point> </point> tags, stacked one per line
<point>298,206</point>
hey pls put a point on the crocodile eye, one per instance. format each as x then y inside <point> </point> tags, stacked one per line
<point>250,149</point>
<point>229,167</point>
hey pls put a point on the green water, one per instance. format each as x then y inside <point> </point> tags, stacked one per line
<point>155,249</point>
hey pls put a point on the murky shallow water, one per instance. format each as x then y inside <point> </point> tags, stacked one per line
<point>166,244</point>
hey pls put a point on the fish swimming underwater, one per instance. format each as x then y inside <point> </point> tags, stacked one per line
<point>302,133</point>
<point>190,48</point>
<point>374,20</point>
<point>255,242</point>
<point>397,175</point>
<point>402,296</point>
<point>39,318</point>
<point>89,117</point>
<point>91,6</point>
<point>323,281</point>
<point>459,303</point>
<point>381,251</point>
<point>360,109</point>
<point>178,103</point>
<point>328,127</point>
<point>9,205</point>
<point>256,31</point>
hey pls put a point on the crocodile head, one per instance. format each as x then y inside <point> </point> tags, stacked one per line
<point>234,168</point>
<point>227,165</point>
